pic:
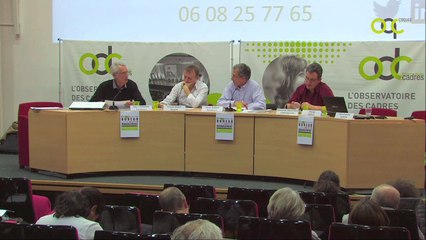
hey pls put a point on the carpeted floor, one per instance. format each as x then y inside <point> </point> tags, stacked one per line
<point>9,167</point>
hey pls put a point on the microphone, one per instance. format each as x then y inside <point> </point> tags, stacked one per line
<point>113,107</point>
<point>229,108</point>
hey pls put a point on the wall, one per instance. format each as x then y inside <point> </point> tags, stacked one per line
<point>29,63</point>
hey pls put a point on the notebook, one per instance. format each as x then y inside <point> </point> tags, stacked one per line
<point>335,104</point>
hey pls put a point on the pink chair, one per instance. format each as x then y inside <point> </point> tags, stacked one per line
<point>23,138</point>
<point>380,112</point>
<point>16,195</point>
<point>419,114</point>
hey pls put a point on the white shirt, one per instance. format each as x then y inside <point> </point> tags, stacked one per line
<point>86,228</point>
<point>197,98</point>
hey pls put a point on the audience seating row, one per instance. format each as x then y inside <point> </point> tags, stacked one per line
<point>340,231</point>
<point>114,235</point>
<point>34,231</point>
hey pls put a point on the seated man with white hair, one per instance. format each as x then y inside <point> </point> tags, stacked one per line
<point>197,229</point>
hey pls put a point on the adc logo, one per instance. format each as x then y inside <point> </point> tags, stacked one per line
<point>384,27</point>
<point>386,13</point>
<point>95,62</point>
<point>378,66</point>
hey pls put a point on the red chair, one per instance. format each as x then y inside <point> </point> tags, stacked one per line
<point>419,114</point>
<point>380,112</point>
<point>260,196</point>
<point>229,209</point>
<point>121,219</point>
<point>16,195</point>
<point>192,192</point>
<point>263,228</point>
<point>340,231</point>
<point>23,138</point>
<point>34,231</point>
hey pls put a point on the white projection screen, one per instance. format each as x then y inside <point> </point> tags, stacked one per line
<point>220,20</point>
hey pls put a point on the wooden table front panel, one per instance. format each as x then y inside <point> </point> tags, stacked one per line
<point>384,150</point>
<point>93,143</point>
<point>205,154</point>
<point>277,153</point>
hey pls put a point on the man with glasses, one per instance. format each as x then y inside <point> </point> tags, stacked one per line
<point>243,90</point>
<point>310,94</point>
<point>121,88</point>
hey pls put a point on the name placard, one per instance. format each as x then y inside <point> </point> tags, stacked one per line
<point>212,109</point>
<point>174,108</point>
<point>305,130</point>
<point>224,126</point>
<point>340,115</point>
<point>141,108</point>
<point>288,112</point>
<point>129,124</point>
<point>314,113</point>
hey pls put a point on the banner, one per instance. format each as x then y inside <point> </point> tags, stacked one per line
<point>367,74</point>
<point>155,67</point>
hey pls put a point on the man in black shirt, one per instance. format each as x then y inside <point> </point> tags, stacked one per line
<point>121,88</point>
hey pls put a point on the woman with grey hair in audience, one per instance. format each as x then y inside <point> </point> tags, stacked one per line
<point>197,229</point>
<point>286,203</point>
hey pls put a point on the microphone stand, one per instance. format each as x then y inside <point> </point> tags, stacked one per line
<point>229,108</point>
<point>113,107</point>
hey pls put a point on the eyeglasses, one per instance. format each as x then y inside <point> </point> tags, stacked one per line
<point>129,72</point>
<point>310,79</point>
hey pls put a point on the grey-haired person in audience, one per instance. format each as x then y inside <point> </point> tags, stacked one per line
<point>173,200</point>
<point>286,203</point>
<point>197,229</point>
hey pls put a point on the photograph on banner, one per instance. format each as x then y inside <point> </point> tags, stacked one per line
<point>169,71</point>
<point>368,74</point>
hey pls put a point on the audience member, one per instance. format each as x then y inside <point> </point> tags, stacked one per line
<point>386,196</point>
<point>328,182</point>
<point>197,229</point>
<point>191,92</point>
<point>368,212</point>
<point>286,203</point>
<point>72,208</point>
<point>120,88</point>
<point>173,200</point>
<point>407,189</point>
<point>243,90</point>
<point>96,200</point>
<point>310,94</point>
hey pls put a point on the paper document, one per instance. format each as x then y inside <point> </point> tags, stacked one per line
<point>87,105</point>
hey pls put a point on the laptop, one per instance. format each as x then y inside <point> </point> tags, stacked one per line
<point>335,104</point>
